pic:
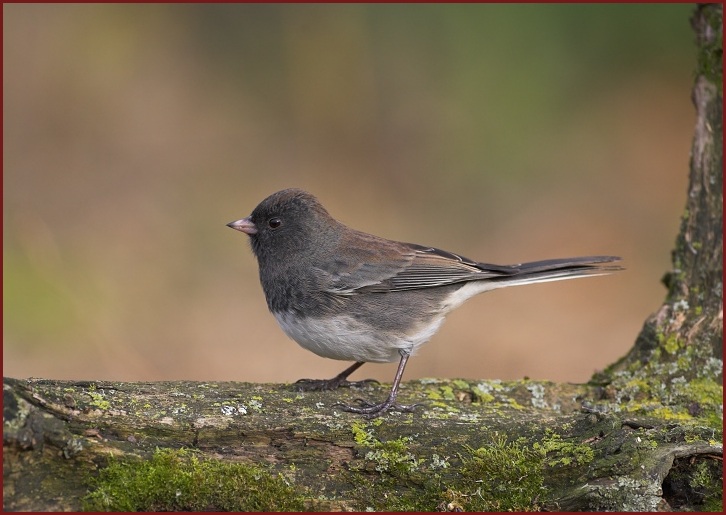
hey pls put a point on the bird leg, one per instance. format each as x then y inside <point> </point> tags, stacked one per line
<point>307,385</point>
<point>373,410</point>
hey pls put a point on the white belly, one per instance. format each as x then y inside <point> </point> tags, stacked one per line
<point>345,338</point>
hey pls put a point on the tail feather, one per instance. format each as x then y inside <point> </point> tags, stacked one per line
<point>554,270</point>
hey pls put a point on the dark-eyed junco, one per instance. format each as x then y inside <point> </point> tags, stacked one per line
<point>344,294</point>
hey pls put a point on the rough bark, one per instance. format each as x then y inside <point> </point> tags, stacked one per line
<point>58,434</point>
<point>643,435</point>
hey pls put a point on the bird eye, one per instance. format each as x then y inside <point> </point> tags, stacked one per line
<point>274,223</point>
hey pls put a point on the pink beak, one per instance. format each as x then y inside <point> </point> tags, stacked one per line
<point>244,225</point>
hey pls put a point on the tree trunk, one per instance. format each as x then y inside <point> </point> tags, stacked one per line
<point>684,337</point>
<point>643,435</point>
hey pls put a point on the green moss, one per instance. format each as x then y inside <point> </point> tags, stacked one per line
<point>460,384</point>
<point>484,392</point>
<point>683,363</point>
<point>176,480</point>
<point>670,414</point>
<point>361,435</point>
<point>393,457</point>
<point>514,404</point>
<point>502,476</point>
<point>559,452</point>
<point>636,389</point>
<point>447,392</point>
<point>99,401</point>
<point>701,400</point>
<point>485,397</point>
<point>399,481</point>
<point>707,392</point>
<point>708,484</point>
<point>671,343</point>
<point>672,380</point>
<point>390,456</point>
<point>499,476</point>
<point>434,395</point>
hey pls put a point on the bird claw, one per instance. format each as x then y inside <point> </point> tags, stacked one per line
<point>371,410</point>
<point>361,383</point>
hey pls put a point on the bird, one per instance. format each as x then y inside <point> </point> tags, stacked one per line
<point>348,295</point>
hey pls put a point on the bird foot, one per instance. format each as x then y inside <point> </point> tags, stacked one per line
<point>371,410</point>
<point>312,385</point>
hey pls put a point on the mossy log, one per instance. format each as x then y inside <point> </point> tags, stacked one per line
<point>457,451</point>
<point>643,435</point>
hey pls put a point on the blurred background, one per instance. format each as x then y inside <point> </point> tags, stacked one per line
<point>507,133</point>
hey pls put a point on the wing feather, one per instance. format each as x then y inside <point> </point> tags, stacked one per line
<point>404,266</point>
